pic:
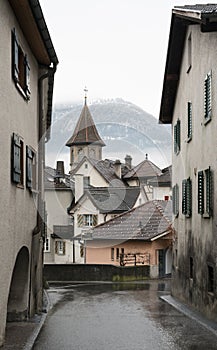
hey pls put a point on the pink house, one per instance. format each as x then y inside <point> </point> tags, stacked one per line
<point>141,236</point>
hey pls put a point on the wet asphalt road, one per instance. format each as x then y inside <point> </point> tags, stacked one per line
<point>121,317</point>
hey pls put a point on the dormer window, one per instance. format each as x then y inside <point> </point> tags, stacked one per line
<point>20,68</point>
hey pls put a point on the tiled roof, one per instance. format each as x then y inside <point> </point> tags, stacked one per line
<point>203,8</point>
<point>50,183</point>
<point>145,169</point>
<point>114,199</point>
<point>85,131</point>
<point>145,222</point>
<point>163,179</point>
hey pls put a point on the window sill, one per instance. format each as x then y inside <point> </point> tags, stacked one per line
<point>20,186</point>
<point>22,92</point>
<point>207,120</point>
<point>189,68</point>
<point>189,139</point>
<point>206,216</point>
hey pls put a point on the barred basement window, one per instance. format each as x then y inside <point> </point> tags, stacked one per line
<point>17,150</point>
<point>208,97</point>
<point>177,137</point>
<point>205,192</point>
<point>187,197</point>
<point>189,121</point>
<point>20,68</point>
<point>175,200</point>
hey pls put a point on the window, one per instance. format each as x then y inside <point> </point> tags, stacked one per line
<point>30,168</point>
<point>175,199</point>
<point>112,253</point>
<point>47,245</point>
<point>117,254</point>
<point>17,150</point>
<point>60,247</point>
<point>187,197</point>
<point>177,137</point>
<point>189,121</point>
<point>87,220</point>
<point>208,98</point>
<point>210,279</point>
<point>20,68</point>
<point>205,192</point>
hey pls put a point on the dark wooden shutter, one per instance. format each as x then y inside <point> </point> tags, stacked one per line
<point>27,77</point>
<point>175,200</point>
<point>15,57</point>
<point>189,120</point>
<point>207,97</point>
<point>175,139</point>
<point>178,136</point>
<point>200,192</point>
<point>184,197</point>
<point>16,159</point>
<point>29,164</point>
<point>208,175</point>
<point>64,248</point>
<point>188,197</point>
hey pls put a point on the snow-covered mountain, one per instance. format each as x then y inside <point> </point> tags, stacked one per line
<point>124,127</point>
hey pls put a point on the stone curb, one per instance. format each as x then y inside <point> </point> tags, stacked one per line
<point>194,315</point>
<point>31,341</point>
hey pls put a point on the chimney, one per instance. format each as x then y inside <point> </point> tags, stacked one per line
<point>117,166</point>
<point>128,161</point>
<point>60,172</point>
<point>79,186</point>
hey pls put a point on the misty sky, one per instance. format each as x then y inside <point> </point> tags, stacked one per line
<point>117,48</point>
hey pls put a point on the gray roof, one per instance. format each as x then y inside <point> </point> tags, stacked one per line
<point>145,222</point>
<point>145,169</point>
<point>63,231</point>
<point>163,179</point>
<point>203,8</point>
<point>114,199</point>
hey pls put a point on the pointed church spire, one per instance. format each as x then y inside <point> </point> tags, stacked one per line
<point>85,132</point>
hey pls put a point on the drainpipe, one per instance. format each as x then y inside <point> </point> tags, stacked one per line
<point>41,151</point>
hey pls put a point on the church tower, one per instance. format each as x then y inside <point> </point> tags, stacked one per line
<point>85,140</point>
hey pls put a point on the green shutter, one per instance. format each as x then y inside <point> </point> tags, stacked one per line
<point>189,197</point>
<point>208,96</point>
<point>189,120</point>
<point>16,159</point>
<point>175,200</point>
<point>200,192</point>
<point>184,197</point>
<point>208,175</point>
<point>175,139</point>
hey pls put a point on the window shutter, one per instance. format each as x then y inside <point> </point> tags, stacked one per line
<point>16,154</point>
<point>200,192</point>
<point>189,120</point>
<point>189,197</point>
<point>80,220</point>
<point>208,96</point>
<point>27,77</point>
<point>56,247</point>
<point>15,57</point>
<point>208,175</point>
<point>178,136</point>
<point>175,139</point>
<point>95,220</point>
<point>29,163</point>
<point>64,248</point>
<point>184,197</point>
<point>175,200</point>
